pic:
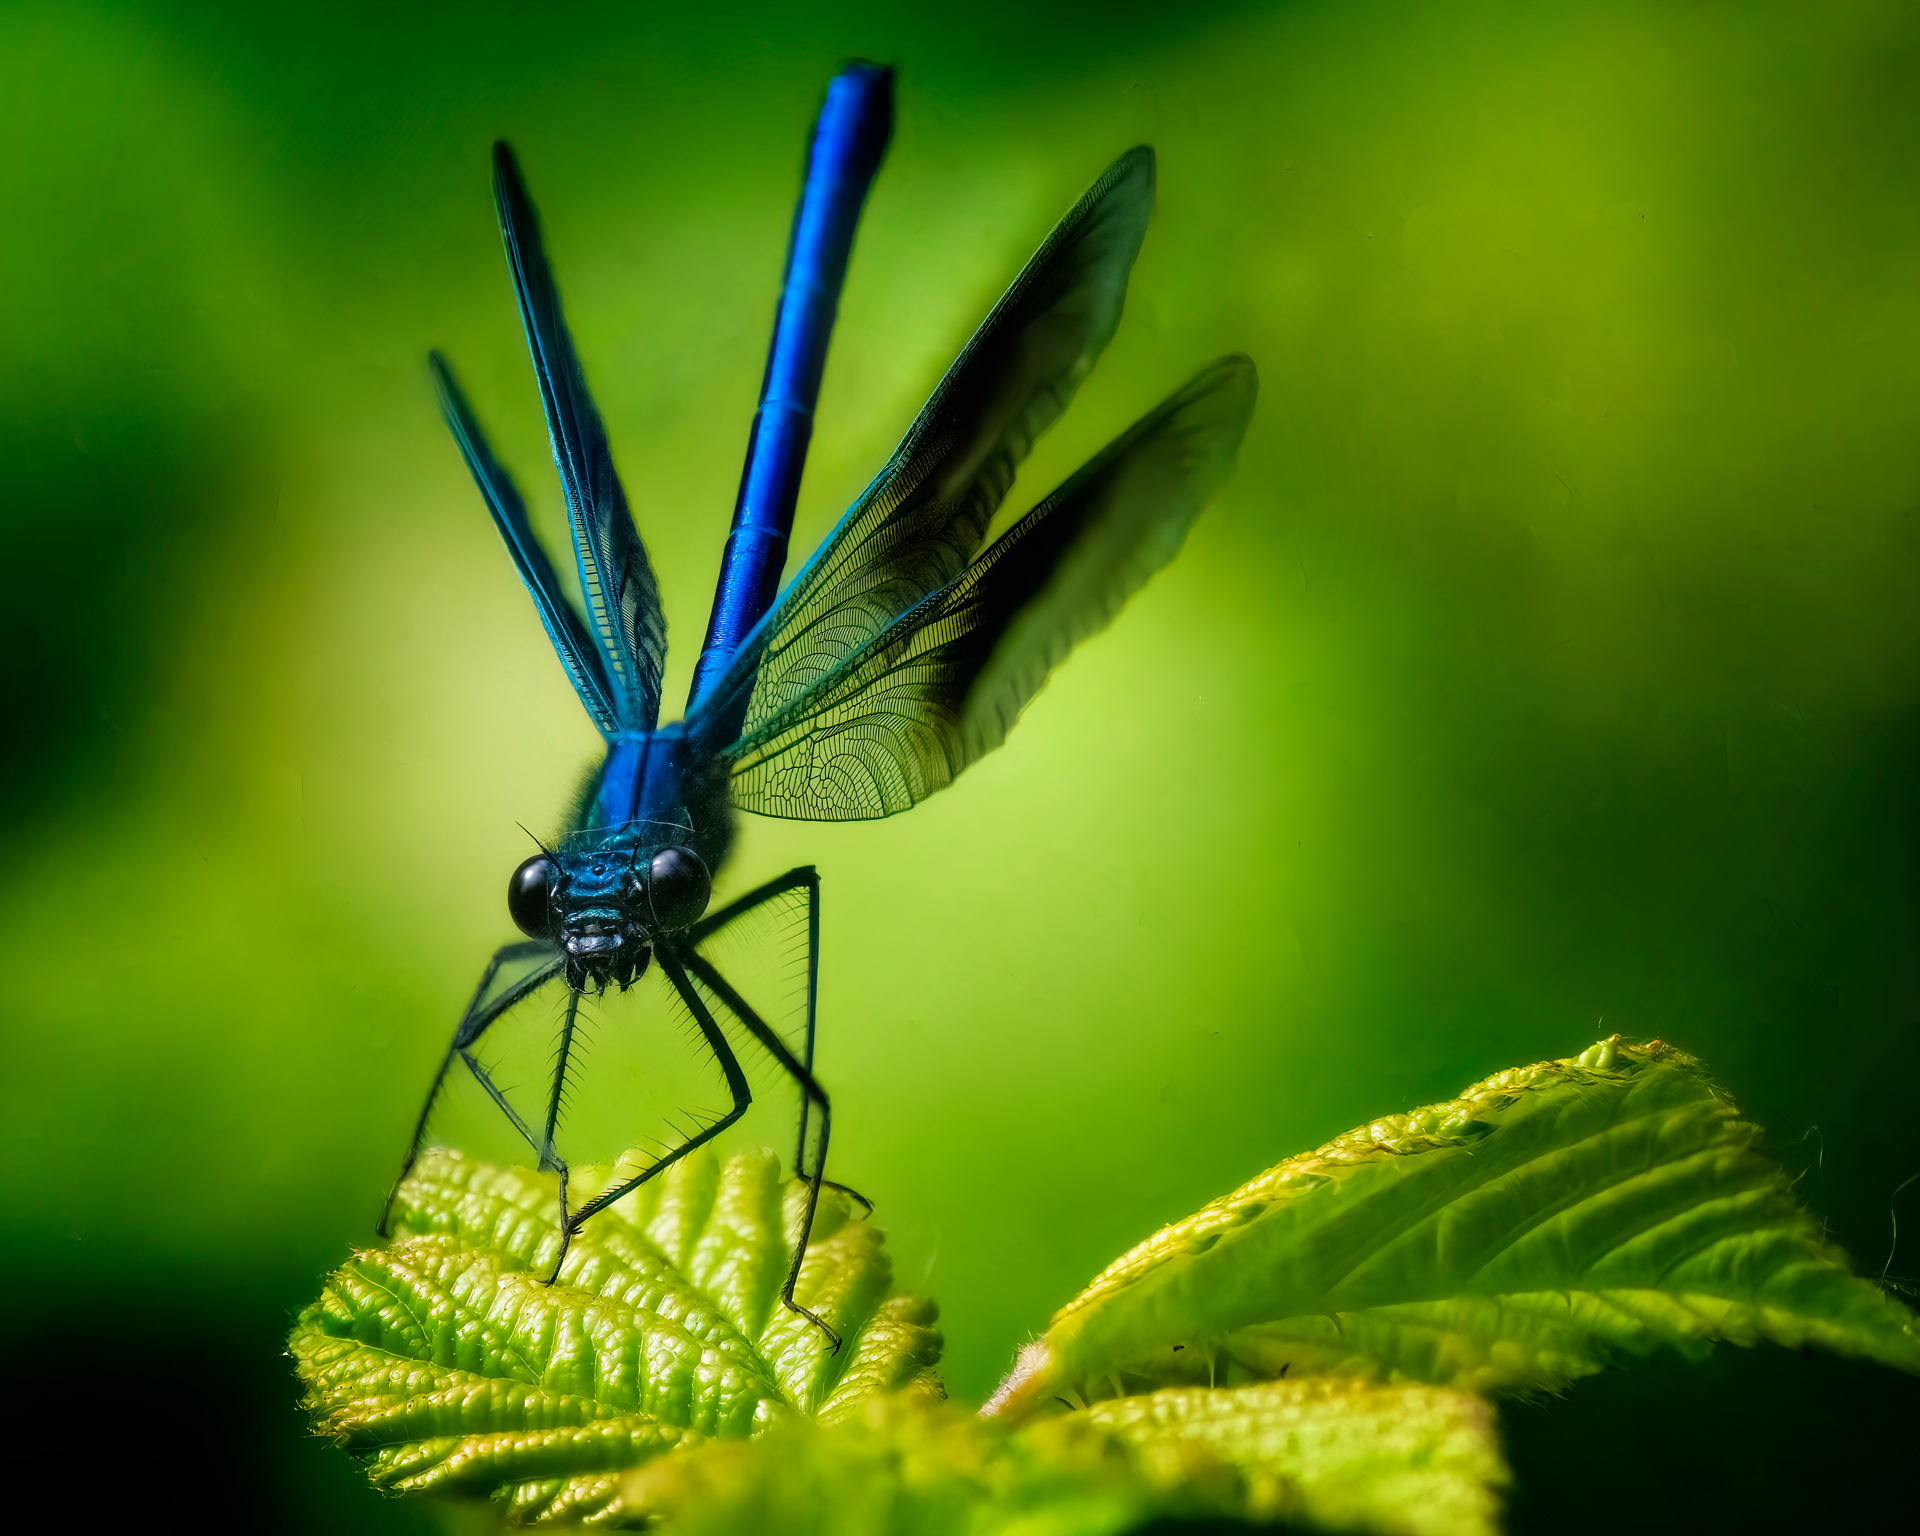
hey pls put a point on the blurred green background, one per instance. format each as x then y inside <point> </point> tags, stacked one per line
<point>1554,656</point>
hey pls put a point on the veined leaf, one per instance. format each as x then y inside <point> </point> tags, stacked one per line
<point>1344,1455</point>
<point>1312,1347</point>
<point>448,1363</point>
<point>1514,1238</point>
<point>1334,1452</point>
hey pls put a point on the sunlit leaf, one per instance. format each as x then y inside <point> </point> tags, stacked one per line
<point>1420,1461</point>
<point>1314,1348</point>
<point>895,1469</point>
<point>1551,1218</point>
<point>448,1363</point>
<point>1334,1452</point>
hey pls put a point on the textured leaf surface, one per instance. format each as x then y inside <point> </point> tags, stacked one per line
<point>1344,1455</point>
<point>450,1366</point>
<point>1334,1452</point>
<point>1517,1237</point>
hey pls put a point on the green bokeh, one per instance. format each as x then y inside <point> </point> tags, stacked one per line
<point>1554,655</point>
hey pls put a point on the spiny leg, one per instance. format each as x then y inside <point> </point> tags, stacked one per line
<point>806,878</point>
<point>493,1092</point>
<point>480,1013</point>
<point>736,1085</point>
<point>550,1160</point>
<point>561,1055</point>
<point>810,1093</point>
<point>806,1060</point>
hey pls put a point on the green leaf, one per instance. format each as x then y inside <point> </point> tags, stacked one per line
<point>896,1469</point>
<point>1311,1348</point>
<point>1550,1218</point>
<point>1420,1461</point>
<point>450,1367</point>
<point>448,1363</point>
<point>1335,1452</point>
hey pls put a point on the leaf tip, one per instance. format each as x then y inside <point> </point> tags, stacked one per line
<point>1026,1385</point>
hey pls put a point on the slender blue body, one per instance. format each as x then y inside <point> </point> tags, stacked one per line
<point>845,153</point>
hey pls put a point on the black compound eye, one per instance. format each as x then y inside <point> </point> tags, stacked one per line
<point>527,897</point>
<point>679,886</point>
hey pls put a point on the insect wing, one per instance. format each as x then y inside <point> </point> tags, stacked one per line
<point>623,601</point>
<point>918,524</point>
<point>569,636</point>
<point>941,686</point>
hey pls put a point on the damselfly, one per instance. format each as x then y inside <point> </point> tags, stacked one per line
<point>899,654</point>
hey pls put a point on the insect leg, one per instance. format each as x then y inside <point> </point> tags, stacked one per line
<point>500,1099</point>
<point>481,1011</point>
<point>806,878</point>
<point>560,1055</point>
<point>736,1085</point>
<point>550,1160</point>
<point>810,1093</point>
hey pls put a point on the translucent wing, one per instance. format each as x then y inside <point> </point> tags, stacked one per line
<point>904,713</point>
<point>623,602</point>
<point>914,529</point>
<point>569,636</point>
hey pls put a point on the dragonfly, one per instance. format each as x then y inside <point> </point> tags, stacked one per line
<point>898,654</point>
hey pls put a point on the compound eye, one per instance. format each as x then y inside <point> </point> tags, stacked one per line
<point>528,894</point>
<point>679,886</point>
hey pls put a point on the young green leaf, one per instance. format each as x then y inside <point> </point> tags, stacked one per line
<point>1514,1238</point>
<point>1334,1452</point>
<point>1342,1455</point>
<point>448,1363</point>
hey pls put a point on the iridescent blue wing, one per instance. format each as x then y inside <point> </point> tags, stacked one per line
<point>569,636</point>
<point>917,525</point>
<point>904,712</point>
<point>623,602</point>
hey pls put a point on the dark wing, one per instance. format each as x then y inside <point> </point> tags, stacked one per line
<point>915,528</point>
<point>940,687</point>
<point>623,602</point>
<point>564,629</point>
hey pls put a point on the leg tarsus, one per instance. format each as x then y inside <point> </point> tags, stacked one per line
<point>567,1227</point>
<point>833,1339</point>
<point>851,1193</point>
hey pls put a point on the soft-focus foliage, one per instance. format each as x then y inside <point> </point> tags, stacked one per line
<point>449,1361</point>
<point>1553,653</point>
<point>1546,1221</point>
